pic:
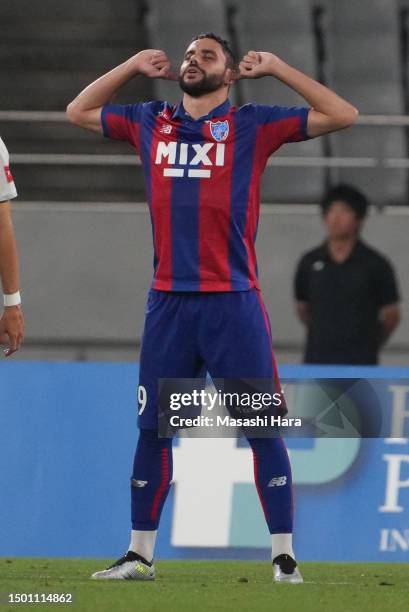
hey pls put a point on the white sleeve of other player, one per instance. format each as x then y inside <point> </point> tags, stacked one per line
<point>7,187</point>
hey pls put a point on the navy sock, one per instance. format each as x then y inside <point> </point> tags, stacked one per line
<point>272,475</point>
<point>151,477</point>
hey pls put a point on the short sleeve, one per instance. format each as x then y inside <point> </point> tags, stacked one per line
<point>280,125</point>
<point>122,122</point>
<point>7,187</point>
<point>301,281</point>
<point>386,286</point>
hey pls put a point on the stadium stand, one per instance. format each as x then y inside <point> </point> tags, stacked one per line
<point>285,28</point>
<point>363,55</point>
<point>49,51</point>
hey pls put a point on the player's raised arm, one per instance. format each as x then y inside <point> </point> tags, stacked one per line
<point>329,112</point>
<point>85,109</point>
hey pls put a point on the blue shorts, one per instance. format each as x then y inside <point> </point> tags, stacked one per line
<point>185,335</point>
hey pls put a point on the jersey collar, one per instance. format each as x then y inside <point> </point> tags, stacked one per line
<point>356,251</point>
<point>219,111</point>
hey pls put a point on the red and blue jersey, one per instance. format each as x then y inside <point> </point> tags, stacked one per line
<point>202,179</point>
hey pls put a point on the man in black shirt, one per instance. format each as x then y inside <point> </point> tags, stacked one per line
<point>346,292</point>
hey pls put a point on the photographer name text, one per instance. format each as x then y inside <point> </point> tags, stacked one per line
<point>227,421</point>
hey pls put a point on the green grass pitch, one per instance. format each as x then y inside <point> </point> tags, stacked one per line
<point>196,586</point>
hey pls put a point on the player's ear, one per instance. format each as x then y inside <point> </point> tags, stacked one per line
<point>231,76</point>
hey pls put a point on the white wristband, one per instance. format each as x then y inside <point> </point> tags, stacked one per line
<point>12,299</point>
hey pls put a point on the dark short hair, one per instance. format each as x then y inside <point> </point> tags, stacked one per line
<point>231,60</point>
<point>348,194</point>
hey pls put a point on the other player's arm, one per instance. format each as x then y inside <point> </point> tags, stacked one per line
<point>329,112</point>
<point>85,109</point>
<point>11,322</point>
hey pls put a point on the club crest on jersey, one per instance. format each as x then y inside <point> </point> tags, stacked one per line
<point>219,130</point>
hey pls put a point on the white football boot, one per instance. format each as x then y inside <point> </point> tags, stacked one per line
<point>286,570</point>
<point>128,567</point>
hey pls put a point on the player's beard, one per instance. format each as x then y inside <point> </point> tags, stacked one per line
<point>207,84</point>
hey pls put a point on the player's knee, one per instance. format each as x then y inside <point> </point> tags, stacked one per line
<point>151,437</point>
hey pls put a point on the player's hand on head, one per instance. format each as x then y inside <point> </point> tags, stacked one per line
<point>257,64</point>
<point>11,330</point>
<point>154,64</point>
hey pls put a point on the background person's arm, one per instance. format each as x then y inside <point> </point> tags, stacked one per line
<point>389,318</point>
<point>85,109</point>
<point>386,292</point>
<point>301,291</point>
<point>329,112</point>
<point>303,312</point>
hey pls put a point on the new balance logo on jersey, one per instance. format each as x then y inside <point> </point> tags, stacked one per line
<point>279,481</point>
<point>166,129</point>
<point>175,153</point>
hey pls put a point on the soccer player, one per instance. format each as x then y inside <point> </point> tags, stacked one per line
<point>203,160</point>
<point>11,322</point>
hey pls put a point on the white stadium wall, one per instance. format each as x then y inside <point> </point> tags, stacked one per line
<point>86,270</point>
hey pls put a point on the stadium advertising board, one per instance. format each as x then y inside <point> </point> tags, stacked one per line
<point>68,438</point>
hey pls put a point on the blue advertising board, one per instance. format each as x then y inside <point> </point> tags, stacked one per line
<point>67,437</point>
